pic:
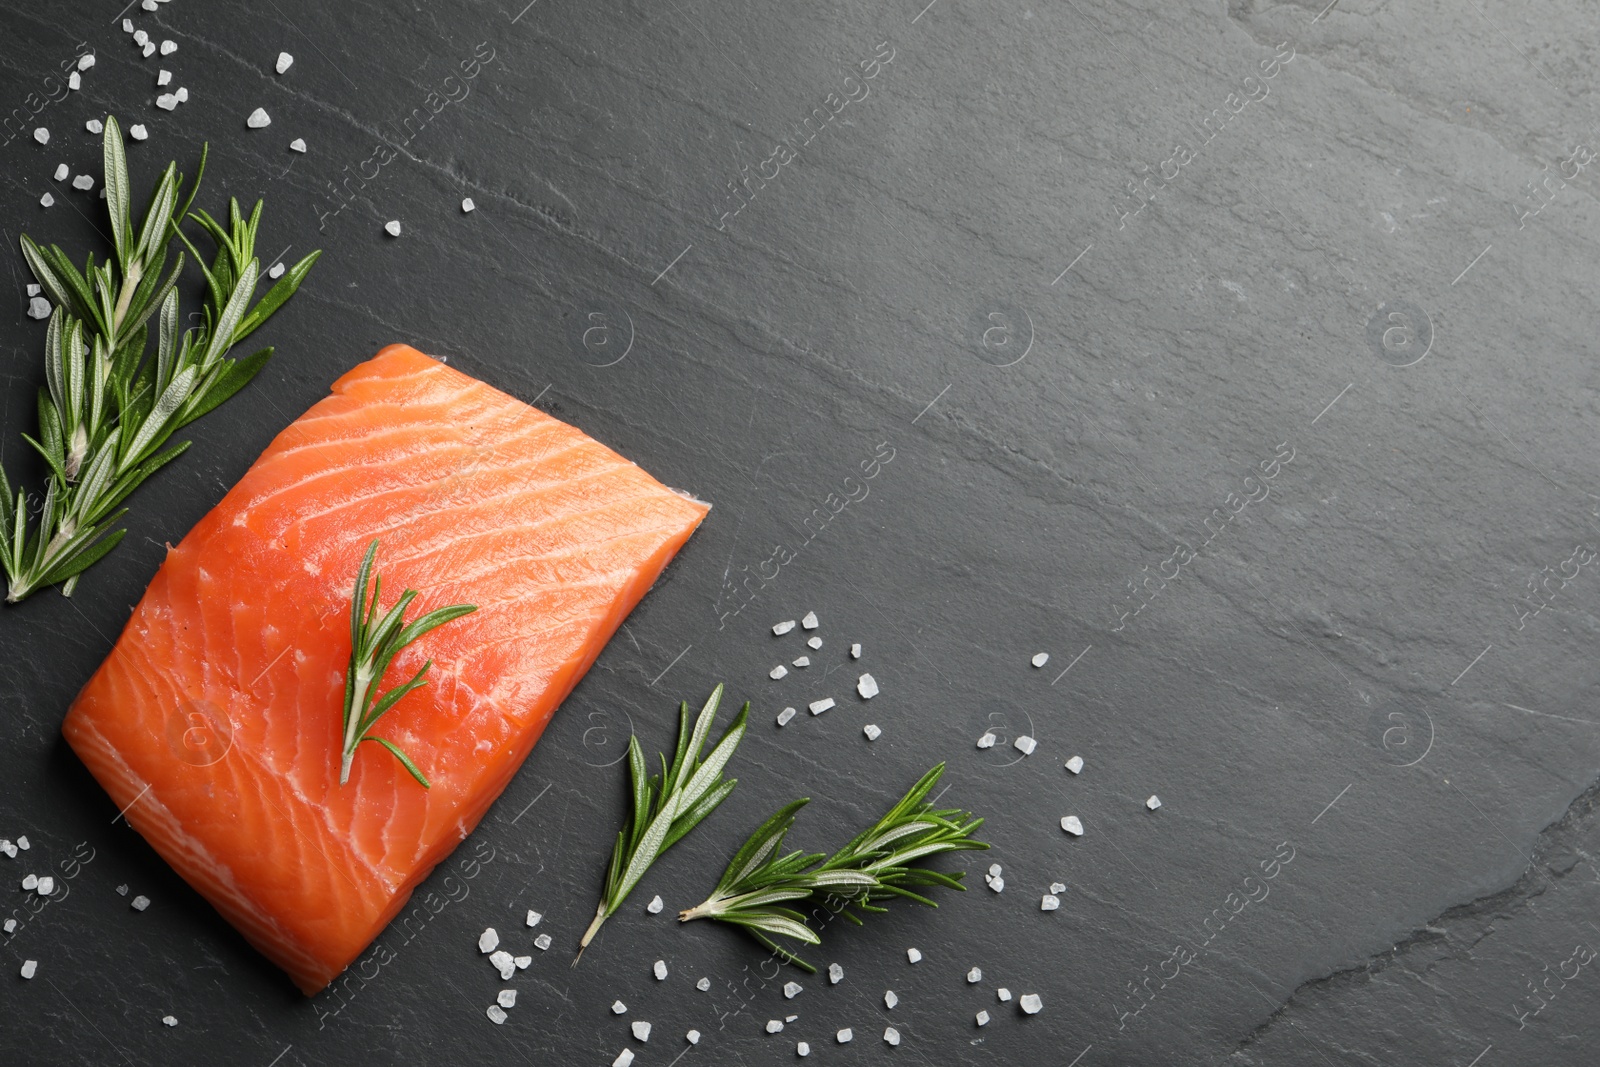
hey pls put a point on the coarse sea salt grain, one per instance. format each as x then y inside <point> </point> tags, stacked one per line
<point>975,975</point>
<point>489,940</point>
<point>792,990</point>
<point>618,1008</point>
<point>1030,1003</point>
<point>1049,902</point>
<point>819,706</point>
<point>467,206</point>
<point>790,1018</point>
<point>138,132</point>
<point>84,182</point>
<point>497,1014</point>
<point>41,135</point>
<point>285,61</point>
<point>85,62</point>
<point>783,627</point>
<point>784,716</point>
<point>891,1035</point>
<point>814,644</point>
<point>297,145</point>
<point>275,271</point>
<point>987,740</point>
<point>1072,825</point>
<point>167,102</point>
<point>802,1049</point>
<point>149,49</point>
<point>624,1058</point>
<point>1025,744</point>
<point>94,126</point>
<point>542,942</point>
<point>122,890</point>
<point>997,884</point>
<point>507,998</point>
<point>168,47</point>
<point>845,1036</point>
<point>392,227</point>
<point>258,119</point>
<point>1040,659</point>
<point>867,686</point>
<point>855,651</point>
<point>163,77</point>
<point>45,201</point>
<point>778,672</point>
<point>802,661</point>
<point>774,1026</point>
<point>835,973</point>
<point>872,731</point>
<point>1075,764</point>
<point>995,869</point>
<point>10,926</point>
<point>182,94</point>
<point>914,954</point>
<point>149,5</point>
<point>810,621</point>
<point>641,1030</point>
<point>655,905</point>
<point>30,882</point>
<point>890,998</point>
<point>47,885</point>
<point>62,170</point>
<point>1058,887</point>
<point>522,962</point>
<point>140,37</point>
<point>39,307</point>
<point>703,985</point>
<point>127,25</point>
<point>29,967</point>
<point>169,1020</point>
<point>503,962</point>
<point>74,81</point>
<point>659,968</point>
<point>983,1018</point>
<point>1003,993</point>
<point>7,846</point>
<point>1153,803</point>
<point>693,1037</point>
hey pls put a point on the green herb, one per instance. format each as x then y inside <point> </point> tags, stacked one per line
<point>668,805</point>
<point>108,413</point>
<point>374,643</point>
<point>879,864</point>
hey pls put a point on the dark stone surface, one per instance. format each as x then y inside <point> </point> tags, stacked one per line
<point>952,272</point>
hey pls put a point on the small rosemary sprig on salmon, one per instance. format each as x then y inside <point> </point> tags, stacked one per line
<point>374,643</point>
<point>668,805</point>
<point>107,413</point>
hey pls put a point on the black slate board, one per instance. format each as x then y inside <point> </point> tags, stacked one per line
<point>1366,241</point>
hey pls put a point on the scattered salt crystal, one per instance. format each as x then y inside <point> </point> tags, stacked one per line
<point>138,132</point>
<point>30,882</point>
<point>542,942</point>
<point>1075,764</point>
<point>86,61</point>
<point>502,961</point>
<point>39,307</point>
<point>835,973</point>
<point>467,206</point>
<point>641,1030</point>
<point>1153,803</point>
<point>84,182</point>
<point>94,126</point>
<point>855,651</point>
<point>258,119</point>
<point>987,740</point>
<point>802,1049</point>
<point>624,1058</point>
<point>802,661</point>
<point>169,1020</point>
<point>392,227</point>
<point>163,77</point>
<point>867,686</point>
<point>983,1018</point>
<point>522,962</point>
<point>149,5</point>
<point>975,975</point>
<point>1025,744</point>
<point>7,846</point>
<point>29,967</point>
<point>778,672</point>
<point>997,884</point>
<point>74,81</point>
<point>1058,887</point>
<point>872,731</point>
<point>819,706</point>
<point>703,985</point>
<point>890,998</point>
<point>618,1008</point>
<point>1072,825</point>
<point>914,954</point>
<point>47,885</point>
<point>149,49</point>
<point>810,621</point>
<point>122,890</point>
<point>11,925</point>
<point>845,1036</point>
<point>497,1014</point>
<point>285,61</point>
<point>655,905</point>
<point>1049,902</point>
<point>774,1026</point>
<point>891,1035</point>
<point>168,47</point>
<point>790,1018</point>
<point>182,94</point>
<point>166,102</point>
<point>488,941</point>
<point>140,37</point>
<point>784,716</point>
<point>1040,659</point>
<point>127,25</point>
<point>507,998</point>
<point>783,627</point>
<point>1030,1003</point>
<point>693,1037</point>
<point>297,145</point>
<point>792,990</point>
<point>1003,993</point>
<point>275,271</point>
<point>62,171</point>
<point>995,870</point>
<point>660,970</point>
<point>41,135</point>
<point>814,644</point>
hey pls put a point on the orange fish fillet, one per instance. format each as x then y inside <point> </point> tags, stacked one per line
<point>216,719</point>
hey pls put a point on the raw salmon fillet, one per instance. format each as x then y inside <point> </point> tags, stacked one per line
<point>216,719</point>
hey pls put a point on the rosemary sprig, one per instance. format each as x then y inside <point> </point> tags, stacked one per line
<point>374,643</point>
<point>879,864</point>
<point>107,413</point>
<point>668,805</point>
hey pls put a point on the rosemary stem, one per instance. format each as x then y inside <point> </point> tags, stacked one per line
<point>358,706</point>
<point>130,282</point>
<point>600,916</point>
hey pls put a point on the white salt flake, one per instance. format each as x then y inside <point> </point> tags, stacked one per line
<point>792,990</point>
<point>542,942</point>
<point>867,686</point>
<point>790,1018</point>
<point>1040,659</point>
<point>618,1008</point>
<point>275,271</point>
<point>522,962</point>
<point>47,885</point>
<point>503,962</point>
<point>872,731</point>
<point>169,1020</point>
<point>1075,764</point>
<point>983,1018</point>
<point>783,627</point>
<point>914,954</point>
<point>168,47</point>
<point>39,307</point>
<point>285,61</point>
<point>835,973</point>
<point>703,985</point>
<point>891,1035</point>
<point>624,1058</point>
<point>62,171</point>
<point>1049,902</point>
<point>489,940</point>
<point>84,182</point>
<point>497,1014</point>
<point>182,95</point>
<point>641,1030</point>
<point>777,672</point>
<point>258,119</point>
<point>819,706</point>
<point>86,61</point>
<point>802,661</point>
<point>655,905</point>
<point>1030,1003</point>
<point>814,644</point>
<point>855,651</point>
<point>1153,803</point>
<point>995,870</point>
<point>1058,887</point>
<point>138,132</point>
<point>7,846</point>
<point>1072,825</point>
<point>392,227</point>
<point>810,621</point>
<point>1025,744</point>
<point>774,1026</point>
<point>997,884</point>
<point>127,25</point>
<point>94,126</point>
<point>10,926</point>
<point>29,967</point>
<point>167,102</point>
<point>693,1037</point>
<point>74,81</point>
<point>297,145</point>
<point>507,998</point>
<point>1003,993</point>
<point>784,716</point>
<point>122,890</point>
<point>533,917</point>
<point>149,5</point>
<point>890,998</point>
<point>31,882</point>
<point>140,37</point>
<point>467,206</point>
<point>845,1036</point>
<point>41,135</point>
<point>660,970</point>
<point>987,740</point>
<point>149,49</point>
<point>802,1049</point>
<point>163,77</point>
<point>975,975</point>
